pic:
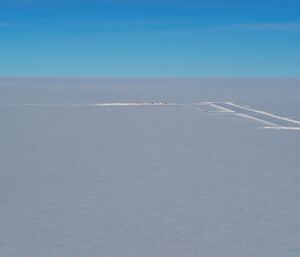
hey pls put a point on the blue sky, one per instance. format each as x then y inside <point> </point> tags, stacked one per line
<point>149,38</point>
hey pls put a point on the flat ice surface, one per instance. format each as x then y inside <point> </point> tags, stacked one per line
<point>147,181</point>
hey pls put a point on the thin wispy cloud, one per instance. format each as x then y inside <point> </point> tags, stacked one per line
<point>265,26</point>
<point>188,27</point>
<point>11,25</point>
<point>122,2</point>
<point>12,3</point>
<point>153,25</point>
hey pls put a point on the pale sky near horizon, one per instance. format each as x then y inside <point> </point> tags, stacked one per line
<point>149,38</point>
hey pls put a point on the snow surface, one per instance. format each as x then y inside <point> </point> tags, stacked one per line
<point>78,180</point>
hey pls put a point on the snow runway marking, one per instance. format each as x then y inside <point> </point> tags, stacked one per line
<point>265,113</point>
<point>270,120</point>
<point>132,104</point>
<point>99,104</point>
<point>282,128</point>
<point>257,119</point>
<point>218,107</point>
<point>241,111</point>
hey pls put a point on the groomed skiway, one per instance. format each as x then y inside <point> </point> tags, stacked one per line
<point>267,119</point>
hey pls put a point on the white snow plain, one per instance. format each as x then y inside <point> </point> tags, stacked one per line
<point>169,181</point>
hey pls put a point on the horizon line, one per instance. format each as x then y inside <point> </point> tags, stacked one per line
<point>148,77</point>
